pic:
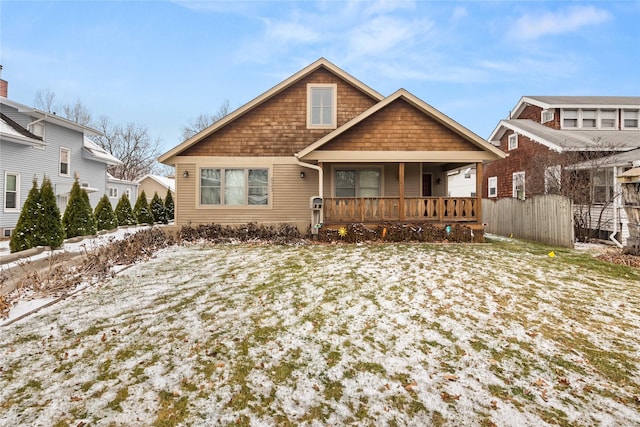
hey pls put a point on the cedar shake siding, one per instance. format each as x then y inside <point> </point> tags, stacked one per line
<point>278,127</point>
<point>400,126</point>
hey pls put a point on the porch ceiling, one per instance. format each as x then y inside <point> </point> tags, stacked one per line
<point>399,156</point>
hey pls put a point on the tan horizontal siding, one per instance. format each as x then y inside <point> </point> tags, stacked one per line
<point>288,192</point>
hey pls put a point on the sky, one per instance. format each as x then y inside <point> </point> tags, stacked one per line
<point>160,64</point>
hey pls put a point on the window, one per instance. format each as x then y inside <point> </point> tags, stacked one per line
<point>64,161</point>
<point>630,119</point>
<point>6,232</point>
<point>492,184</point>
<point>513,141</point>
<point>569,118</point>
<point>357,182</point>
<point>518,185</point>
<point>11,191</point>
<point>113,192</point>
<point>547,116</point>
<point>589,118</point>
<point>602,185</point>
<point>128,193</point>
<point>608,119</point>
<point>552,179</point>
<point>234,186</point>
<point>321,106</point>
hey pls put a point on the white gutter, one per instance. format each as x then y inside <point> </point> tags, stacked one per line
<point>616,202</point>
<point>320,180</point>
<point>36,121</point>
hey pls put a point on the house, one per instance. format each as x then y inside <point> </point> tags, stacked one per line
<point>152,184</point>
<point>322,147</point>
<point>461,182</point>
<point>546,137</point>
<point>116,188</point>
<point>35,143</point>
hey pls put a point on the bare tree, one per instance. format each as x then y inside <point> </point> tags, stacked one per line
<point>585,178</point>
<point>45,100</point>
<point>132,144</point>
<point>77,113</point>
<point>203,121</point>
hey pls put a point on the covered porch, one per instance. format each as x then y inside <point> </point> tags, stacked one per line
<point>411,192</point>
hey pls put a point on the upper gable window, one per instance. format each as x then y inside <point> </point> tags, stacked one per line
<point>547,116</point>
<point>513,141</point>
<point>321,106</point>
<point>608,119</point>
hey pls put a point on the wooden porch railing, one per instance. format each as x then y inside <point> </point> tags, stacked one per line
<point>377,209</point>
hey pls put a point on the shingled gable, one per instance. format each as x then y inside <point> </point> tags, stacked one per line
<point>254,104</point>
<point>471,148</point>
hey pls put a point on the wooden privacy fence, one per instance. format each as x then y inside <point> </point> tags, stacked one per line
<point>544,219</point>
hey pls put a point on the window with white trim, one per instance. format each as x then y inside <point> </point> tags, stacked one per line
<point>113,192</point>
<point>547,116</point>
<point>234,186</point>
<point>65,161</point>
<point>11,192</point>
<point>518,185</point>
<point>321,106</point>
<point>602,185</point>
<point>589,119</point>
<point>552,179</point>
<point>608,119</point>
<point>357,182</point>
<point>630,119</point>
<point>513,141</point>
<point>569,118</point>
<point>492,185</point>
<point>7,232</point>
<point>128,193</point>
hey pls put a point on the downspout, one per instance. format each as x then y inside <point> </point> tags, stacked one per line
<point>616,202</point>
<point>320,180</point>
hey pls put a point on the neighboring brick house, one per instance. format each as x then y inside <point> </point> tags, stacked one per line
<point>322,132</point>
<point>546,135</point>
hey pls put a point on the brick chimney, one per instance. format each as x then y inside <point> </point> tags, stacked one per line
<point>4,85</point>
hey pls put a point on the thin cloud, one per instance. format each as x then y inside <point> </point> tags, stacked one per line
<point>530,27</point>
<point>384,34</point>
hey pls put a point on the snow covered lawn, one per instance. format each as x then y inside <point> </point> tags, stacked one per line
<point>498,334</point>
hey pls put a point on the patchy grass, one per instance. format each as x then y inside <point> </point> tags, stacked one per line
<point>391,335</point>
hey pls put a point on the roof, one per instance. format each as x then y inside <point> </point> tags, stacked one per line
<point>569,140</point>
<point>111,178</point>
<point>619,159</point>
<point>166,182</point>
<point>576,102</point>
<point>98,153</point>
<point>422,106</point>
<point>49,117</point>
<point>320,63</point>
<point>12,131</point>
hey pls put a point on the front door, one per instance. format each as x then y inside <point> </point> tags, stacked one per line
<point>426,185</point>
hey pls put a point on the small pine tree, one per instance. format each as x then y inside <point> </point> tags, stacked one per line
<point>168,206</point>
<point>105,217</point>
<point>124,213</point>
<point>141,210</point>
<point>157,209</point>
<point>22,237</point>
<point>78,217</point>
<point>49,230</point>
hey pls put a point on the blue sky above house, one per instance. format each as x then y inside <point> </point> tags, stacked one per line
<point>161,63</point>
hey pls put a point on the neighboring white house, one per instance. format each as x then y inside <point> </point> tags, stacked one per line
<point>35,144</point>
<point>461,182</point>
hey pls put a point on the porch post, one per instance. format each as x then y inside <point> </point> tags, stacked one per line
<point>479,192</point>
<point>401,191</point>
